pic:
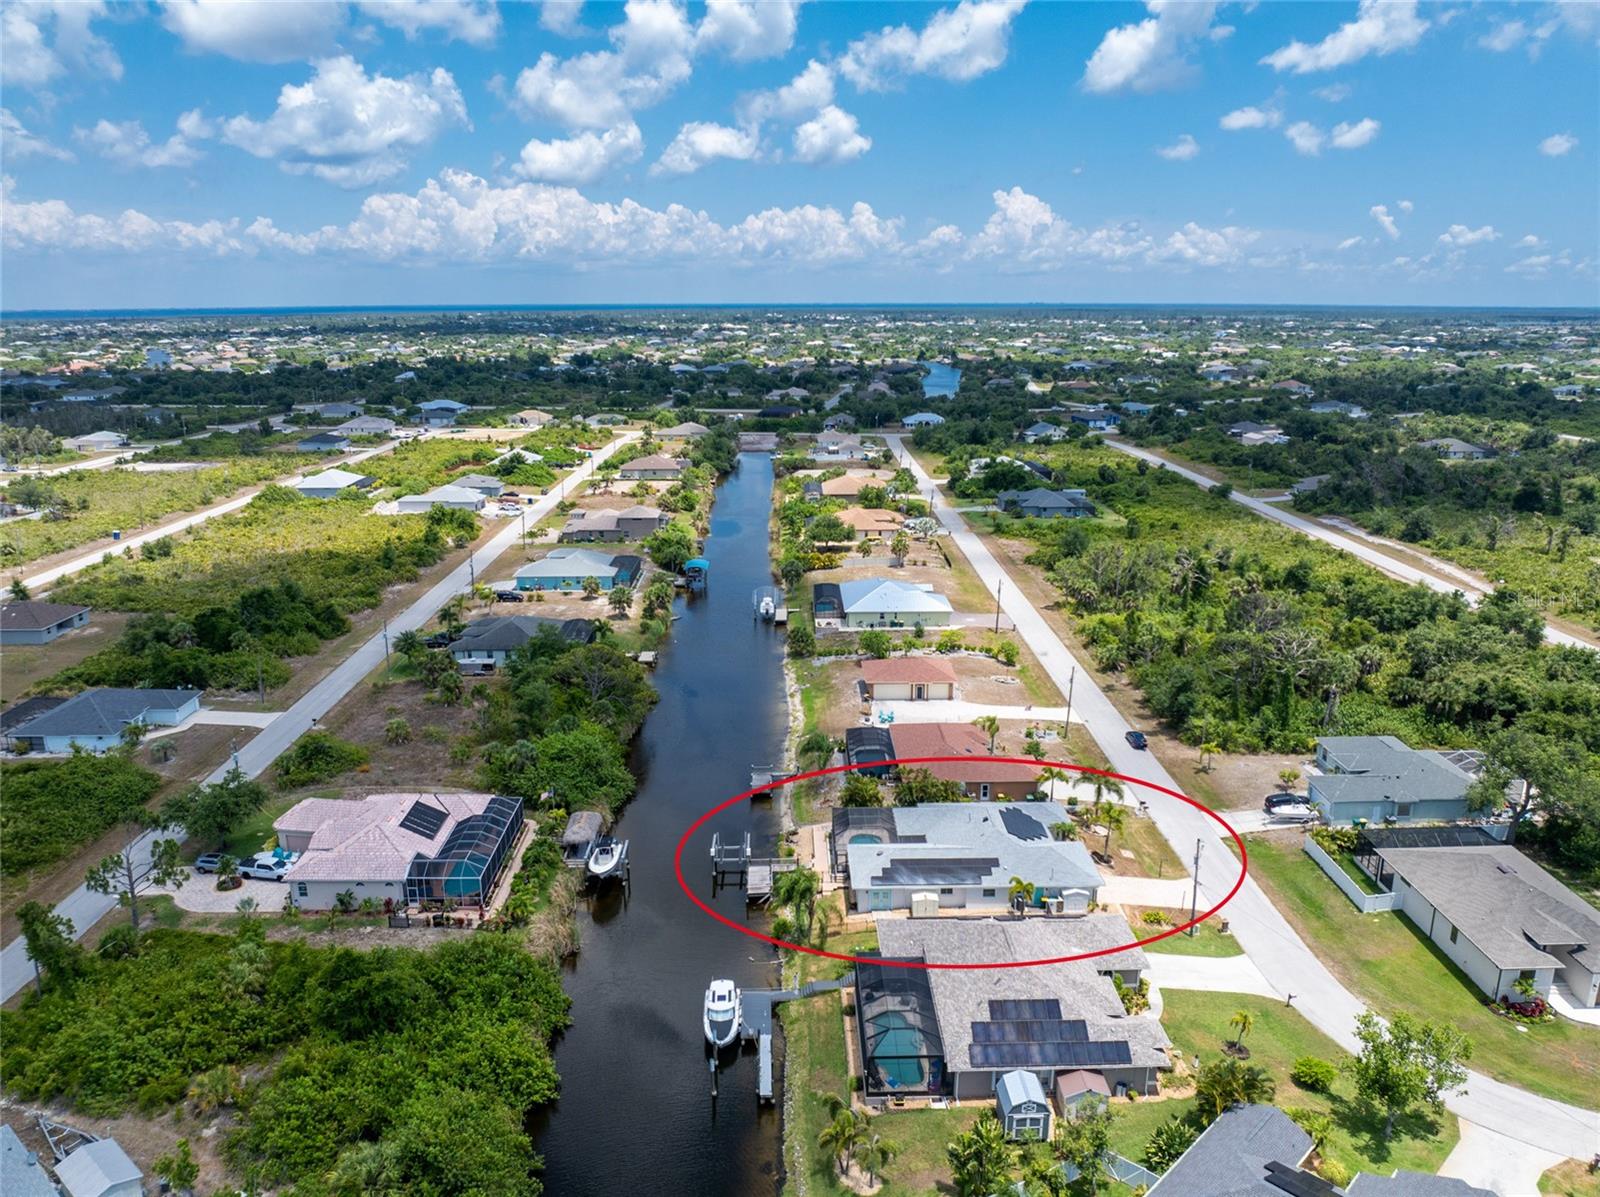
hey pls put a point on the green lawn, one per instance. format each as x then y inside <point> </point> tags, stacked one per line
<point>1571,1179</point>
<point>1206,941</point>
<point>1389,963</point>
<point>1198,1024</point>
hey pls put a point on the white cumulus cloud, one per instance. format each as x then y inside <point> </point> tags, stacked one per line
<point>581,158</point>
<point>348,128</point>
<point>1347,136</point>
<point>1185,148</point>
<point>957,43</point>
<point>43,40</point>
<point>1460,235</point>
<point>561,16</point>
<point>830,136</point>
<point>476,22</point>
<point>126,144</point>
<point>746,30</point>
<point>1381,27</point>
<point>1380,213</point>
<point>700,142</point>
<point>1265,116</point>
<point>808,92</point>
<point>17,142</point>
<point>283,31</point>
<point>1557,144</point>
<point>1305,137</point>
<point>1151,54</point>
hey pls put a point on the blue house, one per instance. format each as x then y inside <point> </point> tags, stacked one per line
<point>566,568</point>
<point>1379,777</point>
<point>440,413</point>
<point>94,719</point>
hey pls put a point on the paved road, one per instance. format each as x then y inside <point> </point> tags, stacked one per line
<point>45,577</point>
<point>1272,944</point>
<point>1393,566</point>
<point>85,907</point>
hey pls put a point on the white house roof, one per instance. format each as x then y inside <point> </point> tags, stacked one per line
<point>891,597</point>
<point>449,494</point>
<point>97,1168</point>
<point>364,840</point>
<point>1018,1087</point>
<point>333,480</point>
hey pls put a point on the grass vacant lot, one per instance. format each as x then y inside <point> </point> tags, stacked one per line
<point>1389,963</point>
<point>1198,1023</point>
<point>1206,941</point>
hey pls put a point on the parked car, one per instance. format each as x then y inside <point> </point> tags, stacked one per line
<point>1283,798</point>
<point>207,862</point>
<point>264,868</point>
<point>508,596</point>
<point>437,640</point>
<point>1136,739</point>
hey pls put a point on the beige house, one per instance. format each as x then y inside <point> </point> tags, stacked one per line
<point>867,522</point>
<point>657,467</point>
<point>908,679</point>
<point>530,417</point>
<point>611,524</point>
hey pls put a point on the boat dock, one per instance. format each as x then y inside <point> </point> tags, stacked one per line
<point>755,1023</point>
<point>733,864</point>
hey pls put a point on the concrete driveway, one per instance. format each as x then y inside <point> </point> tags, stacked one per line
<point>200,895</point>
<point>1498,1162</point>
<point>957,710</point>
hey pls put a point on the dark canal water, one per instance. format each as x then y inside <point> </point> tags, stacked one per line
<point>941,380</point>
<point>636,1114</point>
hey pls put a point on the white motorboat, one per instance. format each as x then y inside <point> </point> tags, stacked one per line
<point>768,607</point>
<point>607,858</point>
<point>721,1013</point>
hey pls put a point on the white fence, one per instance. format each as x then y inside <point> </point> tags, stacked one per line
<point>1364,902</point>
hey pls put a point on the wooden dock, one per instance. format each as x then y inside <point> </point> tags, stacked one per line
<point>755,1023</point>
<point>734,864</point>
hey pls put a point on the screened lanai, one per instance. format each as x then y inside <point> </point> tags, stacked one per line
<point>901,1049</point>
<point>467,865</point>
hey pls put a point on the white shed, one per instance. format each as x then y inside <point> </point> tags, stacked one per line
<point>100,1169</point>
<point>1024,1109</point>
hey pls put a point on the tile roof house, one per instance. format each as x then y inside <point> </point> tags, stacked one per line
<point>614,524</point>
<point>972,1016</point>
<point>881,603</point>
<point>404,848</point>
<point>486,643</point>
<point>1496,914</point>
<point>1041,503</point>
<point>1380,777</point>
<point>330,483</point>
<point>964,852</point>
<point>566,568</point>
<point>94,719</point>
<point>982,777</point>
<point>655,467</point>
<point>908,679</point>
<point>31,621</point>
<point>440,496</point>
<point>870,521</point>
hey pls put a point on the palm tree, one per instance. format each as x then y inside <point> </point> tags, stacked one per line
<point>982,1160</point>
<point>815,749</point>
<point>620,599</point>
<point>1287,778</point>
<point>798,889</point>
<point>1223,1084</point>
<point>1208,750</point>
<point>876,1154</point>
<point>1022,889</point>
<point>864,549</point>
<point>1049,776</point>
<point>899,547</point>
<point>989,726</point>
<point>842,1136</point>
<point>409,645</point>
<point>591,588</point>
<point>1113,817</point>
<point>1244,1021</point>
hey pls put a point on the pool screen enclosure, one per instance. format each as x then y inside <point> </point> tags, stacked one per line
<point>469,862</point>
<point>901,1050</point>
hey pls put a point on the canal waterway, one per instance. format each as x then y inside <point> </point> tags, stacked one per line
<point>941,380</point>
<point>636,1113</point>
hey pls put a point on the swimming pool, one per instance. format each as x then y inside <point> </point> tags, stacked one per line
<point>898,1052</point>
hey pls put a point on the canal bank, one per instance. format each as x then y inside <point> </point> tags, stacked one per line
<point>635,1113</point>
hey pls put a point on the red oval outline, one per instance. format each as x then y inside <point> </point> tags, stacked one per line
<point>683,842</point>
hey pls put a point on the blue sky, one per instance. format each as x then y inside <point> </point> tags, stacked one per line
<point>201,153</point>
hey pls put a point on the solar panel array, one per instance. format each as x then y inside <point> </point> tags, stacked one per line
<point>1021,825</point>
<point>423,820</point>
<point>1030,1032</point>
<point>1043,1030</point>
<point>936,871</point>
<point>1011,1010</point>
<point>1297,1183</point>
<point>1049,1055</point>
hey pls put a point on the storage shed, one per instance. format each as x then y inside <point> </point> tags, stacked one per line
<point>100,1169</point>
<point>1024,1109</point>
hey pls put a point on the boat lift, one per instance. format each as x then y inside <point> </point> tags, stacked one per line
<point>696,573</point>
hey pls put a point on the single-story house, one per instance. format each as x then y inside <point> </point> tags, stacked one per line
<point>1453,449</point>
<point>1248,432</point>
<point>1132,407</point>
<point>94,719</point>
<point>404,849</point>
<point>1034,433</point>
<point>21,1173</point>
<point>838,446</point>
<point>1219,372</point>
<point>880,603</point>
<point>1380,777</point>
<point>324,442</point>
<point>908,679</point>
<point>566,569</point>
<point>367,426</point>
<point>957,1032</point>
<point>1098,418</point>
<point>330,483</point>
<point>867,522</point>
<point>337,411</point>
<point>95,442</point>
<point>530,417</point>
<point>850,486</point>
<point>628,523</point>
<point>982,777</point>
<point>486,643</point>
<point>99,1168</point>
<point>1023,1109</point>
<point>922,419</point>
<point>688,430</point>
<point>962,853</point>
<point>1308,484</point>
<point>487,486</point>
<point>440,496</point>
<point>1259,1151</point>
<point>842,419</point>
<point>656,467</point>
<point>1496,914</point>
<point>1335,407</point>
<point>1040,503</point>
<point>440,413</point>
<point>31,621</point>
<point>1294,386</point>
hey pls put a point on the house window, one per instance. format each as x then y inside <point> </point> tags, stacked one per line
<point>1453,931</point>
<point>947,891</point>
<point>1402,810</point>
<point>988,893</point>
<point>983,792</point>
<point>300,889</point>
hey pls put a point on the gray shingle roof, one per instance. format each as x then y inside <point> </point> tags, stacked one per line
<point>32,615</point>
<point>503,633</point>
<point>1412,1184</point>
<point>1231,1158</point>
<point>1377,768</point>
<point>103,712</point>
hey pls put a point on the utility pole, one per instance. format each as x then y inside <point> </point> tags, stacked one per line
<point>386,644</point>
<point>1000,584</point>
<point>1072,684</point>
<point>1194,903</point>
